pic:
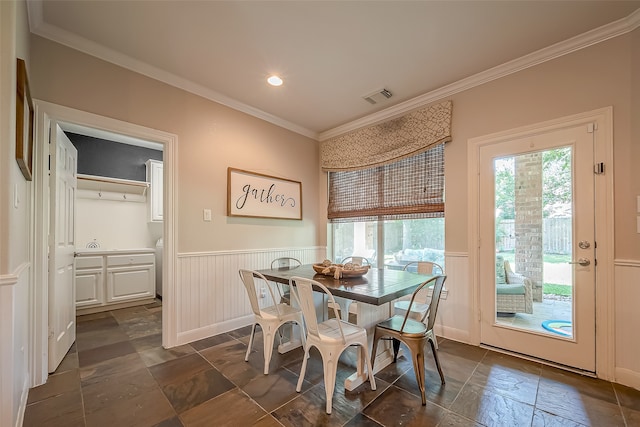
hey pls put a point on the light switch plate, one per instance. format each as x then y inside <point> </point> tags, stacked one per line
<point>206,215</point>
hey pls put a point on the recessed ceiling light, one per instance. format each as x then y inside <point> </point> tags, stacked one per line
<point>274,80</point>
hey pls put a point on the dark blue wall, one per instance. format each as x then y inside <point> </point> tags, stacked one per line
<point>111,159</point>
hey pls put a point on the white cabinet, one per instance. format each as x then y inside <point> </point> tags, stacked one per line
<point>155,179</point>
<point>105,278</point>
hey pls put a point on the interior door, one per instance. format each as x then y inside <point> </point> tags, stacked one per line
<point>546,179</point>
<point>62,183</point>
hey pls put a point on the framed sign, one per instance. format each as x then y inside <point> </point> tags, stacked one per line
<point>24,123</point>
<point>251,194</point>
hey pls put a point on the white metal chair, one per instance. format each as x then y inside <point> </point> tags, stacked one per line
<point>414,333</point>
<point>330,337</point>
<point>285,263</point>
<point>269,318</point>
<point>418,308</point>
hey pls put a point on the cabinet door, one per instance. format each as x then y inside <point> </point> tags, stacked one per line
<point>155,178</point>
<point>129,283</point>
<point>89,288</point>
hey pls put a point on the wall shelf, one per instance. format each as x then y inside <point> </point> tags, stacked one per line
<point>92,186</point>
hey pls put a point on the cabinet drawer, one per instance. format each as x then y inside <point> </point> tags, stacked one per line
<point>89,262</point>
<point>133,259</point>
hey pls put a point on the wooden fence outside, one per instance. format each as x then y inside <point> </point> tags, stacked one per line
<point>556,235</point>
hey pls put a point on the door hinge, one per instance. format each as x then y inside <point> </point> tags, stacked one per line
<point>591,127</point>
<point>598,168</point>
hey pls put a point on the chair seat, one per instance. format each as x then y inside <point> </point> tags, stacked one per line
<point>285,310</point>
<point>411,328</point>
<point>510,289</point>
<point>330,331</point>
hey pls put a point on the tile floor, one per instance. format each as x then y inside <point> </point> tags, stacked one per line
<point>117,374</point>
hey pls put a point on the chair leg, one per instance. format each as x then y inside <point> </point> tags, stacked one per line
<point>268,338</point>
<point>434,350</point>
<point>253,331</point>
<point>396,349</point>
<point>302,370</point>
<point>418,367</point>
<point>365,355</point>
<point>330,365</point>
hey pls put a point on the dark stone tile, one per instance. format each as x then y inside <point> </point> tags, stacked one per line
<point>267,421</point>
<point>631,416</point>
<point>490,408</point>
<point>106,352</point>
<point>228,358</point>
<point>273,390</point>
<point>171,422</point>
<point>627,396</point>
<point>56,385</point>
<point>101,323</point>
<point>506,375</point>
<point>147,342</point>
<point>581,399</point>
<point>435,391</point>
<point>144,410</point>
<point>61,410</point>
<point>233,408</point>
<point>69,362</point>
<point>99,372</point>
<point>308,409</point>
<point>241,332</point>
<point>114,389</point>
<point>397,407</point>
<point>93,339</point>
<point>126,314</point>
<point>180,369</point>
<point>454,420</point>
<point>545,419</point>
<point>211,341</point>
<point>93,316</point>
<point>142,326</point>
<point>159,355</point>
<point>362,421</point>
<point>469,352</point>
<point>187,393</point>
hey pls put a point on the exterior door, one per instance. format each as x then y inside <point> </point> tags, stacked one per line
<point>537,248</point>
<point>62,182</point>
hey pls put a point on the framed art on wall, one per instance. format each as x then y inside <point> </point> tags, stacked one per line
<point>251,194</point>
<point>24,122</point>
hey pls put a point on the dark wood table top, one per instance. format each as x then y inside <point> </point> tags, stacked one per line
<point>377,287</point>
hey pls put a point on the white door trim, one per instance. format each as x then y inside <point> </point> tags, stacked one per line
<point>45,112</point>
<point>604,216</point>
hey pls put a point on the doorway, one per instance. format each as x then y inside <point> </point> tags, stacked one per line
<point>46,114</point>
<point>536,228</point>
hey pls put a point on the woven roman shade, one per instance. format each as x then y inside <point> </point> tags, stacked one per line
<point>388,142</point>
<point>410,188</point>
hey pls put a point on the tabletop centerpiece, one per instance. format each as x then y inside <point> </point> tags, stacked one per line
<point>338,271</point>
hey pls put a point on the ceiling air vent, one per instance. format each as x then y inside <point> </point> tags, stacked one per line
<point>377,96</point>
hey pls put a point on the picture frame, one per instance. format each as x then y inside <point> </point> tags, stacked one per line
<point>24,122</point>
<point>251,194</point>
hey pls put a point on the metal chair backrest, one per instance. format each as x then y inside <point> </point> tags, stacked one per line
<point>424,267</point>
<point>304,293</point>
<point>248,278</point>
<point>438,283</point>
<point>285,262</point>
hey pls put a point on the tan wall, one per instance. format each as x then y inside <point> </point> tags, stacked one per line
<point>211,137</point>
<point>592,78</point>
<point>632,244</point>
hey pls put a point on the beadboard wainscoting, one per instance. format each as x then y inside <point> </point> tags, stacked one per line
<point>454,316</point>
<point>627,322</point>
<point>210,298</point>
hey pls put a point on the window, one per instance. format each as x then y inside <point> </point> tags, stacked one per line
<point>391,214</point>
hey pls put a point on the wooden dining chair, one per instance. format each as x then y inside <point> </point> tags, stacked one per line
<point>330,337</point>
<point>414,333</point>
<point>269,318</point>
<point>419,307</point>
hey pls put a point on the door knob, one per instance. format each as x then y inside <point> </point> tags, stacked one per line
<point>582,261</point>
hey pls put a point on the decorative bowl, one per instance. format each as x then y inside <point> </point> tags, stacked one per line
<point>356,272</point>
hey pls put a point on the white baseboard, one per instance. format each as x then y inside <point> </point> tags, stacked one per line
<point>211,330</point>
<point>628,377</point>
<point>23,401</point>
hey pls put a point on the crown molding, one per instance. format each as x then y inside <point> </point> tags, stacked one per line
<point>40,28</point>
<point>595,36</point>
<point>598,35</point>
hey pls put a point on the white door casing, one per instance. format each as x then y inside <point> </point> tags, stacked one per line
<point>63,184</point>
<point>578,351</point>
<point>604,228</point>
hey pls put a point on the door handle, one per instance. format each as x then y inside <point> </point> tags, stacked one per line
<point>582,261</point>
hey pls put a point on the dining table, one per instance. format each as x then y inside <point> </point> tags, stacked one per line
<point>374,293</point>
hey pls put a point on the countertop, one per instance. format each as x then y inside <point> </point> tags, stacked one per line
<point>102,251</point>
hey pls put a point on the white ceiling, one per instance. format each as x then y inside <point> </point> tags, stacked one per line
<point>329,53</point>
